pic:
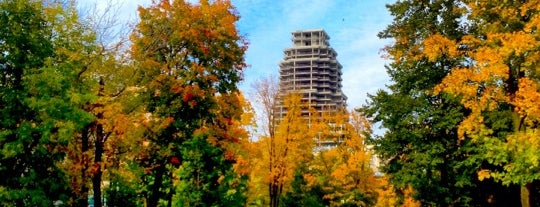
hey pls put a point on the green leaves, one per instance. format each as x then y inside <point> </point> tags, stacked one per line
<point>27,159</point>
<point>424,145</point>
<point>190,57</point>
<point>73,109</point>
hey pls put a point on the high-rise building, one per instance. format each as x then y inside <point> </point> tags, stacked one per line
<point>310,68</point>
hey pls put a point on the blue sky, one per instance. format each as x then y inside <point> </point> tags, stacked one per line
<point>351,24</point>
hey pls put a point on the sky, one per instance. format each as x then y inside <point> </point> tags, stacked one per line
<point>351,24</point>
<point>267,24</point>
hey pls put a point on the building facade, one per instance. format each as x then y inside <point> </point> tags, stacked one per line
<point>310,68</point>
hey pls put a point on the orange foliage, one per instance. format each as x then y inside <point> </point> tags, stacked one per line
<point>408,200</point>
<point>498,71</point>
<point>386,197</point>
<point>346,168</point>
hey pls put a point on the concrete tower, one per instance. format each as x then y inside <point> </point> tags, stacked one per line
<point>310,68</point>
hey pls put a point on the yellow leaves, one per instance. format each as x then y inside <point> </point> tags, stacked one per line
<point>527,99</point>
<point>353,173</point>
<point>311,180</point>
<point>242,166</point>
<point>342,173</point>
<point>515,43</point>
<point>386,197</point>
<point>436,46</point>
<point>484,174</point>
<point>534,22</point>
<point>473,124</point>
<point>499,72</point>
<point>489,62</point>
<point>482,86</point>
<point>408,200</point>
<point>347,166</point>
<point>453,83</point>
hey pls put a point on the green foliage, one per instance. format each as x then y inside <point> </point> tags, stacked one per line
<point>302,194</point>
<point>190,59</point>
<point>65,99</point>
<point>422,145</point>
<point>40,108</point>
<point>122,192</point>
<point>206,178</point>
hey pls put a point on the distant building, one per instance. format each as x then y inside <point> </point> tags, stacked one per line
<point>310,68</point>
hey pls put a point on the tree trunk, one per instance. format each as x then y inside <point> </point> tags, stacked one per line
<point>96,180</point>
<point>99,150</point>
<point>155,192</point>
<point>82,198</point>
<point>171,191</point>
<point>525,196</point>
<point>274,197</point>
<point>99,143</point>
<point>530,194</point>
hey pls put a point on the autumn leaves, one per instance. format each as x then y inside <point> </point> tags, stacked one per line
<point>477,62</point>
<point>156,122</point>
<point>163,122</point>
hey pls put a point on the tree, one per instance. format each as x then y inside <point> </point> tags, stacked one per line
<point>100,80</point>
<point>386,195</point>
<point>422,146</point>
<point>498,79</point>
<point>344,172</point>
<point>352,180</point>
<point>264,96</point>
<point>190,57</point>
<point>282,145</point>
<point>118,106</point>
<point>41,98</point>
<point>24,49</point>
<point>305,191</point>
<point>292,143</point>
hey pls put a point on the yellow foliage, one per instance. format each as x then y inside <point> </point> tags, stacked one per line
<point>242,166</point>
<point>527,99</point>
<point>346,167</point>
<point>310,179</point>
<point>483,174</point>
<point>436,46</point>
<point>386,197</point>
<point>408,200</point>
<point>500,67</point>
<point>277,155</point>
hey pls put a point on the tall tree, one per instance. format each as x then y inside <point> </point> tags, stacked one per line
<point>118,106</point>
<point>264,96</point>
<point>344,172</point>
<point>99,80</point>
<point>282,145</point>
<point>291,144</point>
<point>41,99</point>
<point>498,83</point>
<point>24,50</point>
<point>190,56</point>
<point>266,91</point>
<point>421,146</point>
<point>352,180</point>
